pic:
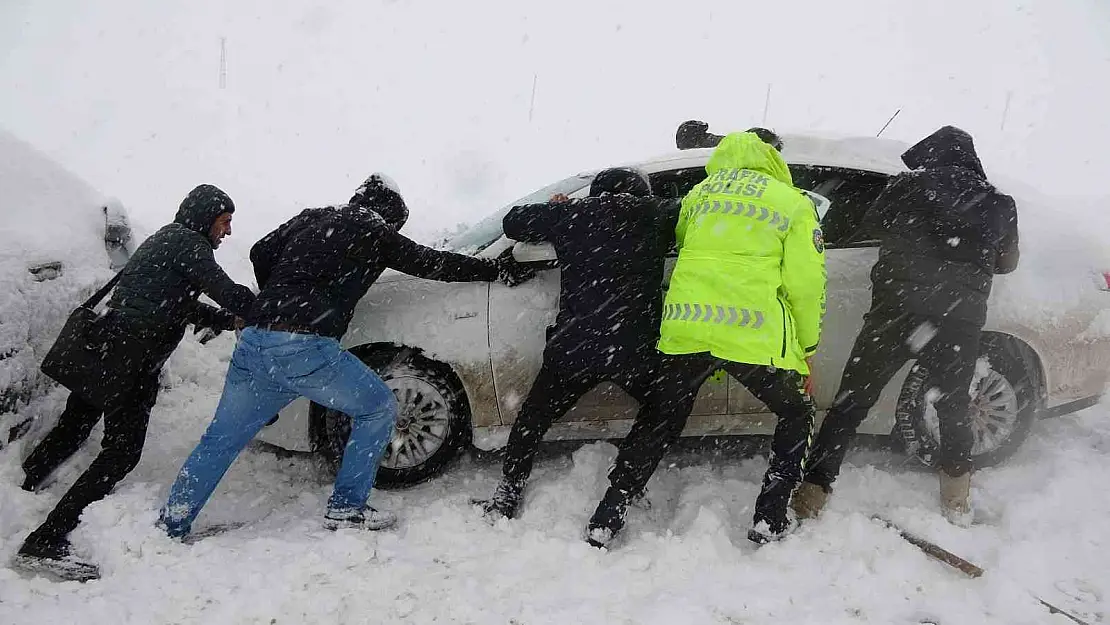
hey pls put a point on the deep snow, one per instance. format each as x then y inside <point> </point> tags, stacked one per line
<point>685,560</point>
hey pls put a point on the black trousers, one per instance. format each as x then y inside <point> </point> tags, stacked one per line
<point>890,337</point>
<point>125,425</point>
<point>562,382</point>
<point>781,390</point>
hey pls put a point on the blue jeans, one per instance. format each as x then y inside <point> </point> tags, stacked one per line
<point>268,371</point>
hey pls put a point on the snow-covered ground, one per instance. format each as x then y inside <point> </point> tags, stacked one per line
<point>1043,529</point>
<point>470,106</point>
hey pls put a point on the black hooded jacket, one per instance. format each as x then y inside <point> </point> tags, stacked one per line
<point>156,296</point>
<point>314,268</point>
<point>611,251</point>
<point>945,231</point>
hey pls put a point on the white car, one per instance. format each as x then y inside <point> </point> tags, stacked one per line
<point>60,240</point>
<point>461,357</point>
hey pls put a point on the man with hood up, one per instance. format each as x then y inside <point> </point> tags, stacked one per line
<point>611,247</point>
<point>313,270</point>
<point>154,299</point>
<point>945,232</point>
<point>747,295</point>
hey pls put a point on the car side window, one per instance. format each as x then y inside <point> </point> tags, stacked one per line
<point>850,192</point>
<point>676,183</point>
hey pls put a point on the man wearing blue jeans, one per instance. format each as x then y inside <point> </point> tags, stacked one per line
<point>313,270</point>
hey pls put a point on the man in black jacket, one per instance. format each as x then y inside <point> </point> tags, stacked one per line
<point>155,298</point>
<point>313,270</point>
<point>945,231</point>
<point>611,247</point>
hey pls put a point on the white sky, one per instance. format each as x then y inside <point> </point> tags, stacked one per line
<point>319,94</point>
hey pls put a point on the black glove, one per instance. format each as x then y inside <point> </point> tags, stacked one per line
<point>510,272</point>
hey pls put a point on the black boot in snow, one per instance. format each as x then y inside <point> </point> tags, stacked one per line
<point>773,517</point>
<point>34,483</point>
<point>55,560</point>
<point>608,519</point>
<point>504,502</point>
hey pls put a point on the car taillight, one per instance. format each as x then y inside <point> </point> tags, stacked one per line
<point>1105,281</point>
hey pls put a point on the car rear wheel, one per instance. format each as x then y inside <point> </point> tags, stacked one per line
<point>433,420</point>
<point>1008,394</point>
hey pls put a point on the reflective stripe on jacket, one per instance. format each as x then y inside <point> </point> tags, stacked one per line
<point>749,284</point>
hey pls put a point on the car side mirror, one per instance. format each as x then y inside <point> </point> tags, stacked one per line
<point>534,252</point>
<point>820,202</point>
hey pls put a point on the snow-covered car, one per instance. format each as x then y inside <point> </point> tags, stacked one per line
<point>60,240</point>
<point>461,357</point>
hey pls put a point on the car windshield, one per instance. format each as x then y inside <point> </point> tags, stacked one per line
<point>482,234</point>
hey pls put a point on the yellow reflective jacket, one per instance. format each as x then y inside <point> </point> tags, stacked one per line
<point>749,284</point>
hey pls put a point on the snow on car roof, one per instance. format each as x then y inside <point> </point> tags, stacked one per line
<point>866,153</point>
<point>47,212</point>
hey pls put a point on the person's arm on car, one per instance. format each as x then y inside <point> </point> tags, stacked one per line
<point>410,257</point>
<point>197,262</point>
<point>803,275</point>
<point>682,220</point>
<point>534,223</point>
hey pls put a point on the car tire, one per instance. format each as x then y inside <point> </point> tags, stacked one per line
<point>1009,395</point>
<point>433,422</point>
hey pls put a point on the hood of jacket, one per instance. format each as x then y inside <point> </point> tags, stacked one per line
<point>199,209</point>
<point>744,150</point>
<point>947,147</point>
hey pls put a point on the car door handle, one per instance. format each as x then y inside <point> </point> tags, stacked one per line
<point>465,315</point>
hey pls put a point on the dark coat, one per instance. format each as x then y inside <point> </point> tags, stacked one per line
<point>611,252</point>
<point>152,302</point>
<point>314,268</point>
<point>945,231</point>
<point>156,296</point>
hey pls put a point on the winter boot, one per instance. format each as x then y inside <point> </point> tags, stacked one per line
<point>55,560</point>
<point>608,519</point>
<point>370,519</point>
<point>773,518</point>
<point>30,484</point>
<point>809,500</point>
<point>955,499</point>
<point>505,501</point>
<point>38,482</point>
<point>765,531</point>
